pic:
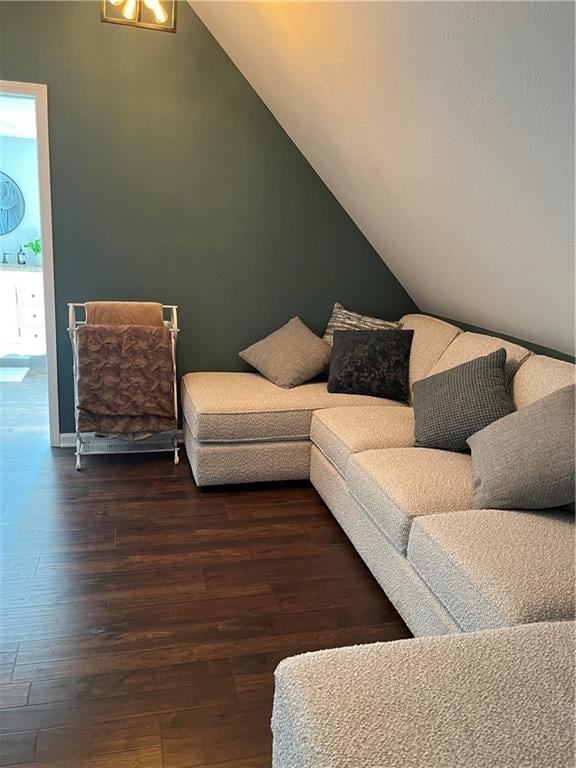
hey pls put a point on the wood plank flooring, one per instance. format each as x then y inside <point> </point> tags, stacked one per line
<point>142,618</point>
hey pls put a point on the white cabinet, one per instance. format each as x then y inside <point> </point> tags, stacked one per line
<point>21,312</point>
<point>9,327</point>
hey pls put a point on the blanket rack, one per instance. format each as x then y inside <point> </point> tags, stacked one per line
<point>91,443</point>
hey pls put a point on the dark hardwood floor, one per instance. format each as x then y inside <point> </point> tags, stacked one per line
<point>142,618</point>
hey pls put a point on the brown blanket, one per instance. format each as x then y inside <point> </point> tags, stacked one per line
<point>125,379</point>
<point>124,313</point>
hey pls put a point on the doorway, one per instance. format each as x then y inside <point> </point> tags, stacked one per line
<point>28,378</point>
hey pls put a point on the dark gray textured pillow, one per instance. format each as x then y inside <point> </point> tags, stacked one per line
<point>451,406</point>
<point>526,460</point>
<point>371,363</point>
<point>289,356</point>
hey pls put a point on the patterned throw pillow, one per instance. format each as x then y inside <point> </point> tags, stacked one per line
<point>451,406</point>
<point>344,320</point>
<point>371,363</point>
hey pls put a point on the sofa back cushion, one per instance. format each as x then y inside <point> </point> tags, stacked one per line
<point>467,346</point>
<point>539,376</point>
<point>431,338</point>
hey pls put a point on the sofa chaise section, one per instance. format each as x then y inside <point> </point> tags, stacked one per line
<point>241,428</point>
<point>502,697</point>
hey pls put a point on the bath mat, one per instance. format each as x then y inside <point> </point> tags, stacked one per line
<point>12,375</point>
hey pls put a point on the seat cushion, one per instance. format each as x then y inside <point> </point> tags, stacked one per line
<point>467,346</point>
<point>239,407</point>
<point>539,376</point>
<point>395,485</point>
<point>494,568</point>
<point>340,432</point>
<point>488,700</point>
<point>431,338</point>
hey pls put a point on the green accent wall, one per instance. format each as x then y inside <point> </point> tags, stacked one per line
<point>172,181</point>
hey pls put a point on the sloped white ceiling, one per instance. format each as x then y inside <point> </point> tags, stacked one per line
<point>446,132</point>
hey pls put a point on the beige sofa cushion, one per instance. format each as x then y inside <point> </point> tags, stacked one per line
<point>395,485</point>
<point>539,376</point>
<point>467,346</point>
<point>494,568</point>
<point>340,432</point>
<point>431,338</point>
<point>238,407</point>
<point>498,699</point>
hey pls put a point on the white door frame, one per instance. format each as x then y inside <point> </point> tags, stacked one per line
<point>40,93</point>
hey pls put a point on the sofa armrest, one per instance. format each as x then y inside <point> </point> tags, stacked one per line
<point>491,699</point>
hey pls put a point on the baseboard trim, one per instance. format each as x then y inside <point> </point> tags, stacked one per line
<point>68,439</point>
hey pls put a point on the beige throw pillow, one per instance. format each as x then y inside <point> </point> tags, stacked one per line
<point>289,356</point>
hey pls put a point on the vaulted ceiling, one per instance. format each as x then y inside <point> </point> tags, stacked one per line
<point>446,132</point>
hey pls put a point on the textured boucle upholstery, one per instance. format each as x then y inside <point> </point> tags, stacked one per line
<point>238,407</point>
<point>419,607</point>
<point>225,463</point>
<point>467,346</point>
<point>539,376</point>
<point>497,699</point>
<point>395,485</point>
<point>431,338</point>
<point>340,432</point>
<point>494,568</point>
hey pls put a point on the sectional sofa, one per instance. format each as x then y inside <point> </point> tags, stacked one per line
<point>448,568</point>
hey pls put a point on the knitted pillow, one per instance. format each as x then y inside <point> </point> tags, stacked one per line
<point>449,407</point>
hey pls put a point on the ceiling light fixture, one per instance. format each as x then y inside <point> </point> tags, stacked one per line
<point>150,14</point>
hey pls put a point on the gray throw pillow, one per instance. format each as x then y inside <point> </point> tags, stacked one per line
<point>526,460</point>
<point>343,319</point>
<point>289,356</point>
<point>451,406</point>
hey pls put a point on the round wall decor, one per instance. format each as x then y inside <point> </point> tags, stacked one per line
<point>11,204</point>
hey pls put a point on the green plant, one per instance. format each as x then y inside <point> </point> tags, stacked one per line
<point>35,246</point>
